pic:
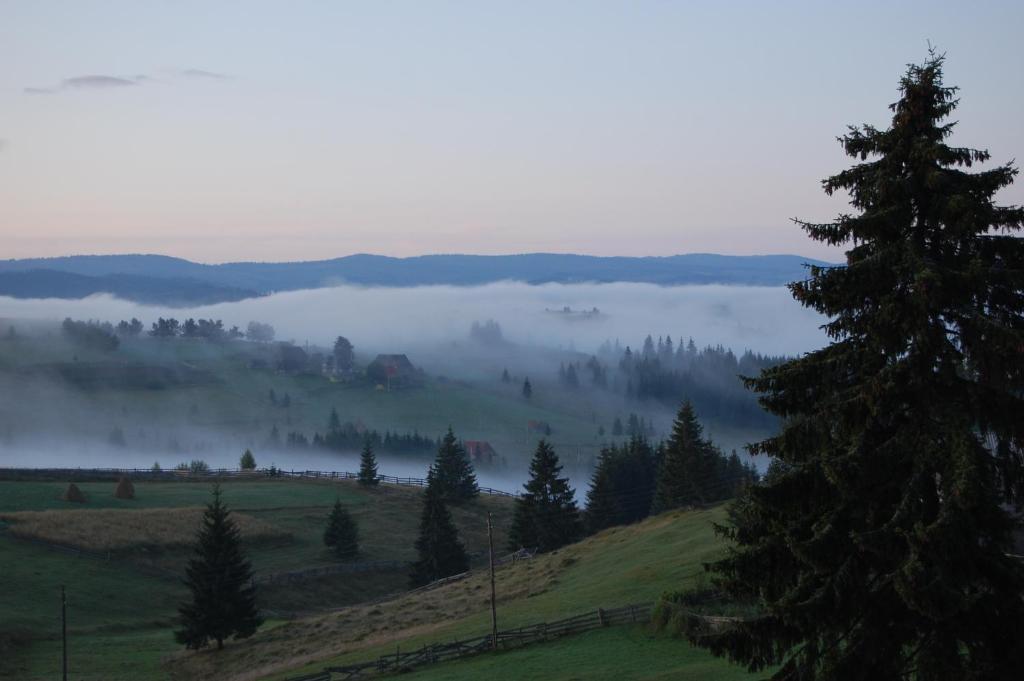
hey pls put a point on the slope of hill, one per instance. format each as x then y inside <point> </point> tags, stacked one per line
<point>458,270</point>
<point>122,604</point>
<point>617,567</point>
<point>38,283</point>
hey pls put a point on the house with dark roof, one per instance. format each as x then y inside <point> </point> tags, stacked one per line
<point>392,371</point>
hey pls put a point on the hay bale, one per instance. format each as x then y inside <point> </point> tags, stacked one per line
<point>74,494</point>
<point>125,489</point>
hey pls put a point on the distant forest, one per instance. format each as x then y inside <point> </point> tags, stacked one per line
<point>670,373</point>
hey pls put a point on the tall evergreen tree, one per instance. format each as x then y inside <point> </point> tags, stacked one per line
<point>453,472</point>
<point>545,516</point>
<point>527,389</point>
<point>368,466</point>
<point>440,553</point>
<point>691,469</point>
<point>342,533</point>
<point>222,600</point>
<point>878,549</point>
<point>622,486</point>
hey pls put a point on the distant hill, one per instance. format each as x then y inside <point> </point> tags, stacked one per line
<point>172,291</point>
<point>157,278</point>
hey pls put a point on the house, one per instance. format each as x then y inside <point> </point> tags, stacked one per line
<point>392,370</point>
<point>481,452</point>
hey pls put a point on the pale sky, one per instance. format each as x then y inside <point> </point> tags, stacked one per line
<point>294,130</point>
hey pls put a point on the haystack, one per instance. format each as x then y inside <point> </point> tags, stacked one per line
<point>74,494</point>
<point>125,489</point>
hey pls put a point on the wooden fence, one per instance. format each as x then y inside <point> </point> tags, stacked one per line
<point>511,638</point>
<point>104,474</point>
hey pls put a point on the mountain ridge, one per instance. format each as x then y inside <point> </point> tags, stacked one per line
<point>153,274</point>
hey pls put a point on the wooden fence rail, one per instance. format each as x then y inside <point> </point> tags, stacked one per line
<point>439,652</point>
<point>90,474</point>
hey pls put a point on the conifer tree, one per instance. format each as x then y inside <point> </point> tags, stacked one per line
<point>440,553</point>
<point>622,486</point>
<point>453,472</point>
<point>527,389</point>
<point>342,533</point>
<point>545,516</point>
<point>247,462</point>
<point>219,578</point>
<point>690,471</point>
<point>368,466</point>
<point>878,547</point>
<point>602,509</point>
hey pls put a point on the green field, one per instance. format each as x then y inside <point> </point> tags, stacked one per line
<point>632,652</point>
<point>621,566</point>
<point>121,610</point>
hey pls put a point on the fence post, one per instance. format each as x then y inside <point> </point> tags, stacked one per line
<point>600,617</point>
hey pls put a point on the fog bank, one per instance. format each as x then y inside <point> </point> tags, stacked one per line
<point>765,319</point>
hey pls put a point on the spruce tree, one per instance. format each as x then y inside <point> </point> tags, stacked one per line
<point>622,486</point>
<point>690,472</point>
<point>440,553</point>
<point>527,389</point>
<point>878,547</point>
<point>247,462</point>
<point>368,466</point>
<point>453,472</point>
<point>219,579</point>
<point>545,516</point>
<point>342,533</point>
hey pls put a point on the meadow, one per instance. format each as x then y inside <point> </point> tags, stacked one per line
<point>121,608</point>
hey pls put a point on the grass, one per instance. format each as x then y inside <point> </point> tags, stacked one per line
<point>617,567</point>
<point>103,530</point>
<point>632,652</point>
<point>121,613</point>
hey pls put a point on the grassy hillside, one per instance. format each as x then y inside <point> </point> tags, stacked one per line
<point>121,610</point>
<point>617,567</point>
<point>174,399</point>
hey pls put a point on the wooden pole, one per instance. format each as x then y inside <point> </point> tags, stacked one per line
<point>494,609</point>
<point>64,633</point>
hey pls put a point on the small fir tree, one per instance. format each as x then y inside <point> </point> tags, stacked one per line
<point>527,389</point>
<point>368,466</point>
<point>248,461</point>
<point>222,600</point>
<point>546,516</point>
<point>453,472</point>
<point>689,472</point>
<point>342,533</point>
<point>440,553</point>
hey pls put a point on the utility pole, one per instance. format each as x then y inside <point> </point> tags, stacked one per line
<point>494,610</point>
<point>64,633</point>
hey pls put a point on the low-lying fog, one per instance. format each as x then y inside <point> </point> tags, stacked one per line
<point>427,323</point>
<point>765,319</point>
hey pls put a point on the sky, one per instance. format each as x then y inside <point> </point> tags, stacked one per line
<point>307,130</point>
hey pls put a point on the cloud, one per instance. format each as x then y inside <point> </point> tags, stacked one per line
<point>105,82</point>
<point>200,73</point>
<point>101,82</point>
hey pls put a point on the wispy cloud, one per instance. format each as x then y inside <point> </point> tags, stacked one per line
<point>106,82</point>
<point>200,73</point>
<point>100,82</point>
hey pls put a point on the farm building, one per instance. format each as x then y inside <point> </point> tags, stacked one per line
<point>392,370</point>
<point>481,452</point>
